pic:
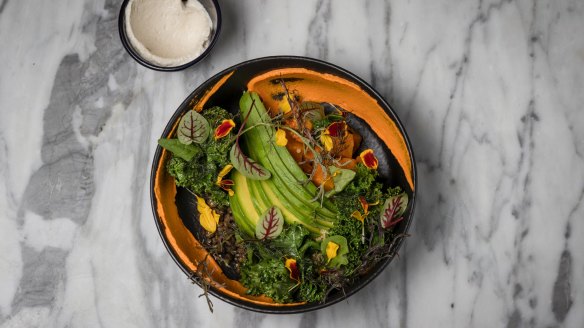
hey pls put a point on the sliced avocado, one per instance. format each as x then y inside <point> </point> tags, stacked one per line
<point>279,161</point>
<point>240,218</point>
<point>260,202</point>
<point>284,189</point>
<point>290,184</point>
<point>289,212</point>
<point>243,208</point>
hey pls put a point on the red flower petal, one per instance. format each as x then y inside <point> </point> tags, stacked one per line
<point>224,128</point>
<point>369,159</point>
<point>337,129</point>
<point>292,266</point>
<point>364,204</point>
<point>226,183</point>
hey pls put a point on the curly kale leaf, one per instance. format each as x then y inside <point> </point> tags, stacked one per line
<point>351,229</point>
<point>217,150</point>
<point>200,178</point>
<point>262,272</point>
<point>215,115</point>
<point>270,277</point>
<point>347,202</point>
<point>313,288</point>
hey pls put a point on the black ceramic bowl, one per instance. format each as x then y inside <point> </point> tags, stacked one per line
<point>212,7</point>
<point>175,211</point>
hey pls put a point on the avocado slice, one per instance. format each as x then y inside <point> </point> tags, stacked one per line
<point>245,214</point>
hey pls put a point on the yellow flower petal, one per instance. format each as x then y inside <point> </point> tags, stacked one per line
<point>357,215</point>
<point>227,183</point>
<point>327,141</point>
<point>281,139</point>
<point>207,216</point>
<point>224,171</point>
<point>284,105</point>
<point>331,250</point>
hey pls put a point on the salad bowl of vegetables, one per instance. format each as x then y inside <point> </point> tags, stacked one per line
<point>283,185</point>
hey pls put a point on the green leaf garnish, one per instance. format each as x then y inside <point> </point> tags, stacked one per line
<point>242,163</point>
<point>312,111</point>
<point>186,152</point>
<point>340,256</point>
<point>193,128</point>
<point>341,178</point>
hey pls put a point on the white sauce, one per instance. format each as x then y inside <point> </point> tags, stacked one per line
<point>168,32</point>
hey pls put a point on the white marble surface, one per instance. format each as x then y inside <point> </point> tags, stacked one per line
<point>491,94</point>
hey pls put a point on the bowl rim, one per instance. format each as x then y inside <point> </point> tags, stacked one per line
<point>309,306</point>
<point>130,49</point>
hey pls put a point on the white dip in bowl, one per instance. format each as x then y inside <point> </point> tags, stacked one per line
<point>168,32</point>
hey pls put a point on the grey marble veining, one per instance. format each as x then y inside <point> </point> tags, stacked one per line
<point>490,93</point>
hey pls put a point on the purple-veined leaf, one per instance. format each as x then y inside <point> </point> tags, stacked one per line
<point>241,162</point>
<point>246,165</point>
<point>270,224</point>
<point>193,128</point>
<point>392,210</point>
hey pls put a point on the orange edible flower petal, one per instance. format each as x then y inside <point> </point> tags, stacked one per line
<point>364,204</point>
<point>368,158</point>
<point>292,266</point>
<point>224,128</point>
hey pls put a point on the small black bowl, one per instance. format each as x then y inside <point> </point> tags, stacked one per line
<point>181,209</point>
<point>212,7</point>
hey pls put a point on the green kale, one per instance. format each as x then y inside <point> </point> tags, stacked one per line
<point>199,174</point>
<point>215,115</point>
<point>218,150</point>
<point>262,272</point>
<point>351,229</point>
<point>364,184</point>
<point>270,277</point>
<point>290,241</point>
<point>312,288</point>
<point>200,178</point>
